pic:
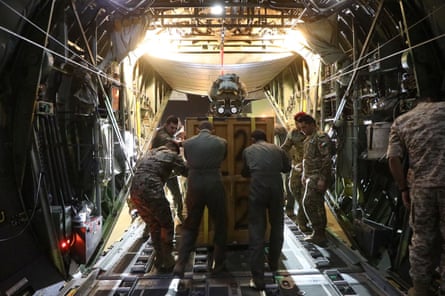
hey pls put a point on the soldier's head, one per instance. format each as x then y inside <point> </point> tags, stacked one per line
<point>306,124</point>
<point>205,125</point>
<point>298,115</point>
<point>171,125</point>
<point>258,135</point>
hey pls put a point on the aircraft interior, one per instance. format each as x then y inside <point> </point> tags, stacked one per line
<point>86,83</point>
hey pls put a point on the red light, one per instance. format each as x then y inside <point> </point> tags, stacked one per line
<point>65,244</point>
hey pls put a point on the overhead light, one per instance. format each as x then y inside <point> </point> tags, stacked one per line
<point>216,9</point>
<point>233,110</point>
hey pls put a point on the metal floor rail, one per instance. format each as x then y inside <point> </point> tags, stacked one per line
<point>305,269</point>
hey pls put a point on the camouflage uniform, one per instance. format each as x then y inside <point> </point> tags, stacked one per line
<point>316,165</point>
<point>148,197</point>
<point>294,146</point>
<point>420,133</point>
<point>160,139</point>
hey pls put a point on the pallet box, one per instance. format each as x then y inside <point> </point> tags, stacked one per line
<point>237,133</point>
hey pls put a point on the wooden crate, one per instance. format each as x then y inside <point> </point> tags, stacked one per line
<point>237,133</point>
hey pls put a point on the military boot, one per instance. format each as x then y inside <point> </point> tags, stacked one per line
<point>420,288</point>
<point>290,213</point>
<point>219,258</point>
<point>168,261</point>
<point>158,260</point>
<point>157,247</point>
<point>257,284</point>
<point>146,233</point>
<point>318,238</point>
<point>186,245</point>
<point>304,228</point>
<point>303,223</point>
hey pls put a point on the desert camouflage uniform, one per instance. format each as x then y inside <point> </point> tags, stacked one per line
<point>148,197</point>
<point>294,146</point>
<point>160,139</point>
<point>316,165</point>
<point>421,134</point>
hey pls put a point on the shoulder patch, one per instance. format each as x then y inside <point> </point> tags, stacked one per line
<point>321,134</point>
<point>325,144</point>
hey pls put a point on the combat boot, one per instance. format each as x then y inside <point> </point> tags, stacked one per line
<point>303,224</point>
<point>304,228</point>
<point>166,264</point>
<point>155,241</point>
<point>420,288</point>
<point>178,269</point>
<point>168,261</point>
<point>186,244</point>
<point>146,233</point>
<point>291,214</point>
<point>219,258</point>
<point>158,260</point>
<point>318,238</point>
<point>257,284</point>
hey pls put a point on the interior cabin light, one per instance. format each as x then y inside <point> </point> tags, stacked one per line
<point>216,9</point>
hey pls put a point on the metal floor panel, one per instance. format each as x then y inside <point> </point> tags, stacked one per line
<point>305,269</point>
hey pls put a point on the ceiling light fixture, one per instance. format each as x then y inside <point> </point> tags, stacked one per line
<point>216,9</point>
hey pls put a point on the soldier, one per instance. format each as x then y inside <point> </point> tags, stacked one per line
<point>293,145</point>
<point>316,176</point>
<point>264,162</point>
<point>204,153</point>
<point>148,197</point>
<point>164,135</point>
<point>420,135</point>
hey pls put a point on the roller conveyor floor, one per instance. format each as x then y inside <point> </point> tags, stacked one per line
<point>305,269</point>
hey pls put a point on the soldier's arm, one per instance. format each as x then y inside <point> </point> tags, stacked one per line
<point>180,166</point>
<point>245,171</point>
<point>287,163</point>
<point>324,147</point>
<point>395,153</point>
<point>161,138</point>
<point>287,145</point>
